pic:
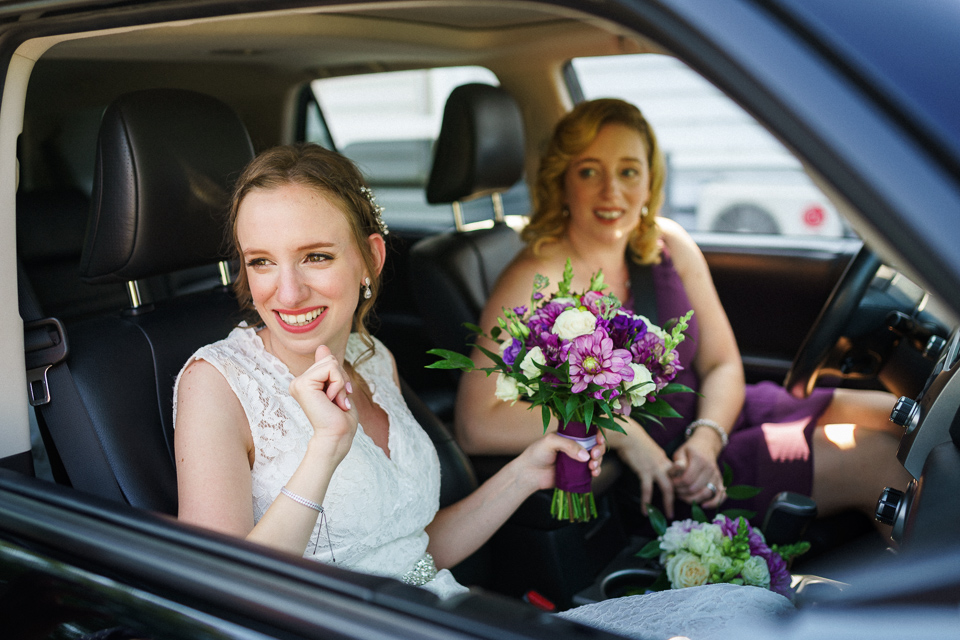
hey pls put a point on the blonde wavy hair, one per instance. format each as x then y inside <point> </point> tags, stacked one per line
<point>331,175</point>
<point>572,135</point>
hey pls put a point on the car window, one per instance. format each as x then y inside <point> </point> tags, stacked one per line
<point>726,173</point>
<point>387,123</point>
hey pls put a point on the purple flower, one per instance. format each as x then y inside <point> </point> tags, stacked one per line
<point>510,353</point>
<point>593,359</point>
<point>779,576</point>
<point>590,300</point>
<point>542,319</point>
<point>624,329</point>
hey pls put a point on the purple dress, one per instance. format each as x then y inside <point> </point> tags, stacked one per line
<point>770,445</point>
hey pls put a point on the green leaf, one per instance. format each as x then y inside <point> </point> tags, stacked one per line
<point>588,410</point>
<point>472,328</point>
<point>571,406</point>
<point>657,519</point>
<point>733,514</point>
<point>727,474</point>
<point>742,491</point>
<point>545,413</point>
<point>497,360</point>
<point>662,583</point>
<point>495,332</point>
<point>661,409</point>
<point>698,513</point>
<point>650,550</point>
<point>676,387</point>
<point>451,360</point>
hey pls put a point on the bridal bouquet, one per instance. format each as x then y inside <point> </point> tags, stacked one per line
<point>726,550</point>
<point>583,359</point>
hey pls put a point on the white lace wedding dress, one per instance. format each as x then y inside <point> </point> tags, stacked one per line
<point>377,507</point>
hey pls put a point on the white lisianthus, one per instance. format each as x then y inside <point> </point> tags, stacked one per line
<point>755,572</point>
<point>531,360</point>
<point>672,539</point>
<point>507,389</point>
<point>642,377</point>
<point>573,323</point>
<point>704,540</point>
<point>686,570</point>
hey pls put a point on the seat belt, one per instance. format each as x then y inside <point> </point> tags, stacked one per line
<point>61,414</point>
<point>642,290</point>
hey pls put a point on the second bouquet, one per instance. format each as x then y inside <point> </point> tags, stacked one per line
<point>585,361</point>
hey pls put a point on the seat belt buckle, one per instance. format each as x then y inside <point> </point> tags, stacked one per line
<point>44,345</point>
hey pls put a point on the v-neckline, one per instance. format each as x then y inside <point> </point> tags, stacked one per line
<point>288,376</point>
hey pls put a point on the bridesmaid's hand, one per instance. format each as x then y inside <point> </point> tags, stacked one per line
<point>322,391</point>
<point>696,475</point>
<point>649,461</point>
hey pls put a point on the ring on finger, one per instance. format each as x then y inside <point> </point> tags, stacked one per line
<point>712,488</point>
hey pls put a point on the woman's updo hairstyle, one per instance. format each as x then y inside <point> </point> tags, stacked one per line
<point>331,175</point>
<point>572,135</point>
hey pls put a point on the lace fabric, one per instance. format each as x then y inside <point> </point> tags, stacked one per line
<point>710,612</point>
<point>377,507</point>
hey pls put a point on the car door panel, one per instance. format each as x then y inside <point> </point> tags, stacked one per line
<point>772,293</point>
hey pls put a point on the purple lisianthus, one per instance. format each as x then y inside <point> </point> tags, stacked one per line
<point>624,329</point>
<point>509,354</point>
<point>593,359</point>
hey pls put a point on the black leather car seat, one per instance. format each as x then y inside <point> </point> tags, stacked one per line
<point>166,161</point>
<point>479,152</point>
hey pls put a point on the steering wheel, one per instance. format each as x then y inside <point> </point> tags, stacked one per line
<point>829,325</point>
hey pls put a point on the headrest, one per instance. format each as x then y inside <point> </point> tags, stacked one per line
<point>480,149</point>
<point>166,162</point>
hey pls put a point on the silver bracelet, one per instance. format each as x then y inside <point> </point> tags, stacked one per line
<point>703,422</point>
<point>296,498</point>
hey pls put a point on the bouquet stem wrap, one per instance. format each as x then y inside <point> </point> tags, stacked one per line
<point>573,497</point>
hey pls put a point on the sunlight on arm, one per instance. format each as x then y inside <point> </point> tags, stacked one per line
<point>841,435</point>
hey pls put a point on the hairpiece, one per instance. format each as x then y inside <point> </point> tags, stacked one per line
<point>377,209</point>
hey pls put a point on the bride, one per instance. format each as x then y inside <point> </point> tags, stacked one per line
<point>292,432</point>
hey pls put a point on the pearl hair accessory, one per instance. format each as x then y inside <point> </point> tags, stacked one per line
<point>377,209</point>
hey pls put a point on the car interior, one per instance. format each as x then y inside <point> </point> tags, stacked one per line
<point>132,135</point>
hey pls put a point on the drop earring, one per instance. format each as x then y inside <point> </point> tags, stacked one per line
<point>367,293</point>
<point>644,211</point>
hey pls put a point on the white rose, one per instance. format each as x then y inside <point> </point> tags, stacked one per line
<point>686,570</point>
<point>642,377</point>
<point>672,539</point>
<point>755,572</point>
<point>573,323</point>
<point>531,360</point>
<point>507,389</point>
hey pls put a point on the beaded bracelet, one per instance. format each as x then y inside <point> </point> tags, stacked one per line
<point>297,498</point>
<point>703,422</point>
<point>323,518</point>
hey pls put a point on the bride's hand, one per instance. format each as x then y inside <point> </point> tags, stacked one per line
<point>697,469</point>
<point>649,461</point>
<point>322,391</point>
<point>539,458</point>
